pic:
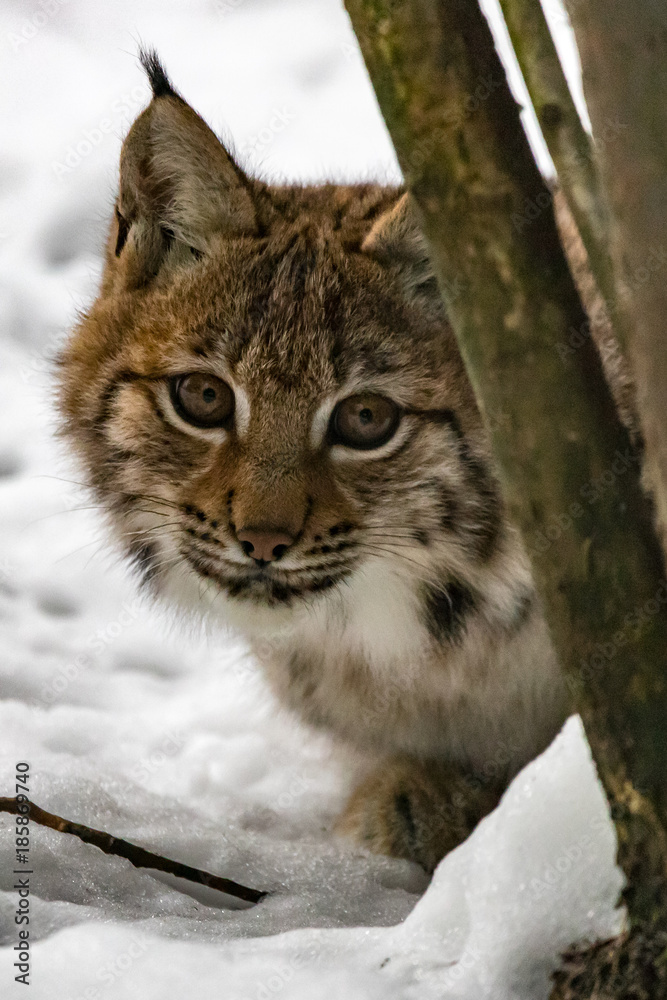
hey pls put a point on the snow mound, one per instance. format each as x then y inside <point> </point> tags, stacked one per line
<point>537,874</point>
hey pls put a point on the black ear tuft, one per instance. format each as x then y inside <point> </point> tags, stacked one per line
<point>160,82</point>
<point>178,185</point>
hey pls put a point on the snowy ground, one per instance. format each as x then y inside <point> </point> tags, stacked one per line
<point>161,738</point>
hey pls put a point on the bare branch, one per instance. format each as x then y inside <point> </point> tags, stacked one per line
<point>137,856</point>
<point>570,147</point>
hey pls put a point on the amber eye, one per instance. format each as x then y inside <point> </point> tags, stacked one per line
<point>202,400</point>
<point>364,421</point>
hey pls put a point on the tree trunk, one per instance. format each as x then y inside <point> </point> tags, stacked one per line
<point>570,472</point>
<point>624,57</point>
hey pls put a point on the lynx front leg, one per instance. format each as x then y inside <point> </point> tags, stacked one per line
<point>416,810</point>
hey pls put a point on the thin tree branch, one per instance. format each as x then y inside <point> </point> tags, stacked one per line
<point>570,146</point>
<point>137,856</point>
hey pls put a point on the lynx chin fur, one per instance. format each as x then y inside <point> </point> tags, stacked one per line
<point>268,401</point>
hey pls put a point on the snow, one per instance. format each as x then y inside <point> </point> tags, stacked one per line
<point>171,740</point>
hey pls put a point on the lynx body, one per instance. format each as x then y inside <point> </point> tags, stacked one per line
<point>268,401</point>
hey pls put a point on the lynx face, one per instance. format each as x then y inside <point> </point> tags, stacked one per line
<point>266,396</point>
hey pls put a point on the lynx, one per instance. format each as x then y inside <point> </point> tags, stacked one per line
<point>268,401</point>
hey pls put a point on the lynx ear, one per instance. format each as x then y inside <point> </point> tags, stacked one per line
<point>396,240</point>
<point>177,181</point>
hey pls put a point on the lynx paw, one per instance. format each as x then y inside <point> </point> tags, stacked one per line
<point>414,810</point>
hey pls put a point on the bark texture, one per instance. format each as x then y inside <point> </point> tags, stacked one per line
<point>623,49</point>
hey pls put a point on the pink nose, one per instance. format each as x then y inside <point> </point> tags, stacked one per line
<point>264,546</point>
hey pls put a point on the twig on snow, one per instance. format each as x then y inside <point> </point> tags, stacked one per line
<point>137,856</point>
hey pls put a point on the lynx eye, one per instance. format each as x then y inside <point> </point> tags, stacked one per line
<point>202,400</point>
<point>364,421</point>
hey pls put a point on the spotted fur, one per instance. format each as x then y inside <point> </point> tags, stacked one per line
<point>403,618</point>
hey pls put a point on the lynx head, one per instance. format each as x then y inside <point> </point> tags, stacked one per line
<point>266,397</point>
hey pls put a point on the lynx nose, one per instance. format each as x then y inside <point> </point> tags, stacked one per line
<point>264,546</point>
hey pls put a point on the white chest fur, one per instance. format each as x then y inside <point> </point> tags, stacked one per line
<point>363,664</point>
